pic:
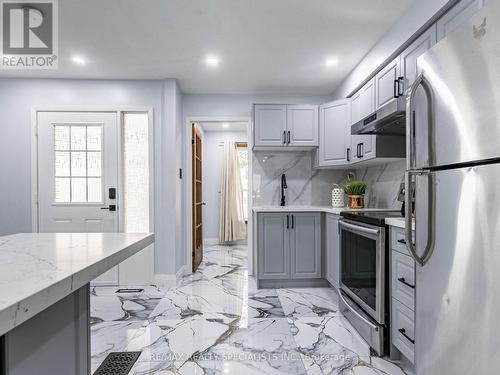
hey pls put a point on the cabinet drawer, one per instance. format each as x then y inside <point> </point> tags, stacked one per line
<point>398,241</point>
<point>403,279</point>
<point>403,329</point>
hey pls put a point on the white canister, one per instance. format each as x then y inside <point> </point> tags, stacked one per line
<point>337,196</point>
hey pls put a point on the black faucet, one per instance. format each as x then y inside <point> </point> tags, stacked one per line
<point>283,187</point>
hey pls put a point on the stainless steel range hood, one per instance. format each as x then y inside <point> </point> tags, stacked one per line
<point>390,119</point>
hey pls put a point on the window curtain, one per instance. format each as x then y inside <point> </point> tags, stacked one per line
<point>232,225</point>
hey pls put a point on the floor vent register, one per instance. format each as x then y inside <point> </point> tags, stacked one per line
<point>118,363</point>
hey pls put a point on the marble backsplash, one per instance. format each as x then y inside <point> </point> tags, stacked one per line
<point>307,186</point>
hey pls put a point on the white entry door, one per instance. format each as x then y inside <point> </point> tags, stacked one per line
<point>78,174</point>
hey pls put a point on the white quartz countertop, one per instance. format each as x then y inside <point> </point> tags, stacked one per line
<point>327,209</point>
<point>39,269</point>
<point>399,222</point>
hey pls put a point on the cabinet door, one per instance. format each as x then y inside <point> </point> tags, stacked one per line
<point>269,125</point>
<point>456,16</point>
<point>386,84</point>
<point>335,133</point>
<point>273,249</point>
<point>362,105</point>
<point>305,245</point>
<point>302,125</point>
<point>332,250</point>
<point>413,52</point>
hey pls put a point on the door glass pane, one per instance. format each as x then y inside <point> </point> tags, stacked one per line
<point>136,172</point>
<point>94,140</point>
<point>78,164</point>
<point>62,164</point>
<point>62,190</point>
<point>78,190</point>
<point>94,190</point>
<point>61,137</point>
<point>94,164</point>
<point>78,137</point>
<point>78,156</point>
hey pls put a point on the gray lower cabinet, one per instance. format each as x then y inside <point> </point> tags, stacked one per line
<point>332,250</point>
<point>273,246</point>
<point>305,245</point>
<point>289,246</point>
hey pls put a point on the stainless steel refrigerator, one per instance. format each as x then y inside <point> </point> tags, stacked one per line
<point>453,145</point>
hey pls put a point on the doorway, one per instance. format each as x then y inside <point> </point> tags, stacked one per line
<point>89,166</point>
<point>220,144</point>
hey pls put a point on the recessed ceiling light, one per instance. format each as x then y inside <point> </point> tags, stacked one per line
<point>331,61</point>
<point>225,125</point>
<point>212,61</point>
<point>79,60</point>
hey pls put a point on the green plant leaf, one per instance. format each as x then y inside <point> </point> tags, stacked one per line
<point>355,188</point>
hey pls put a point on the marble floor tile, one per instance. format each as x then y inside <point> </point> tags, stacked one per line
<point>217,322</point>
<point>309,302</point>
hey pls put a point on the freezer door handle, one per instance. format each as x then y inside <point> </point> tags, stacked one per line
<point>431,214</point>
<point>410,121</point>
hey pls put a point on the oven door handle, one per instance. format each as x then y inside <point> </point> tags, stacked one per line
<point>372,326</point>
<point>359,229</point>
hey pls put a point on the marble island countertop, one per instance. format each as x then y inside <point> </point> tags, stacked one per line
<point>304,208</point>
<point>39,269</point>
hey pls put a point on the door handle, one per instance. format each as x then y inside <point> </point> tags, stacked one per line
<point>403,332</point>
<point>429,247</point>
<point>288,137</point>
<point>402,280</point>
<point>401,86</point>
<point>284,137</point>
<point>292,222</point>
<point>287,221</point>
<point>348,152</point>
<point>396,88</point>
<point>111,207</point>
<point>361,151</point>
<point>410,121</point>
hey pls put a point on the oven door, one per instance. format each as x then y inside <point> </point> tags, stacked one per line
<point>363,266</point>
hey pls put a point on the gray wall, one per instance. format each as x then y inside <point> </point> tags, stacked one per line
<point>19,96</point>
<point>403,29</point>
<point>213,158</point>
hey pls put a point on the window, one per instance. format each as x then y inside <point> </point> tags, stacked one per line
<point>78,163</point>
<point>136,172</point>
<point>243,161</point>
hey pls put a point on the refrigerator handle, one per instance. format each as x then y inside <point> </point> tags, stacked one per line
<point>429,247</point>
<point>410,121</point>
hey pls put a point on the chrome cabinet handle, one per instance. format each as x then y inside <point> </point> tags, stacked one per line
<point>403,332</point>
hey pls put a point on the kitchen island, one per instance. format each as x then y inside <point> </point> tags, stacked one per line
<point>44,297</point>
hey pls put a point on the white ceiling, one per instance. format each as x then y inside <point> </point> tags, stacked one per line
<point>212,126</point>
<point>265,46</point>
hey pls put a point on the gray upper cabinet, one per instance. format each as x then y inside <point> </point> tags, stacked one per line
<point>305,245</point>
<point>302,125</point>
<point>335,134</point>
<point>332,250</point>
<point>281,125</point>
<point>458,14</point>
<point>269,125</point>
<point>387,84</point>
<point>273,246</point>
<point>362,105</point>
<point>410,55</point>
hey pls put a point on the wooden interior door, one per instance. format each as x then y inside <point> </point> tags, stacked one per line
<point>197,198</point>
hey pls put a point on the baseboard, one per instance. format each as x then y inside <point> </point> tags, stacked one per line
<point>165,280</point>
<point>211,241</point>
<point>215,241</point>
<point>180,274</point>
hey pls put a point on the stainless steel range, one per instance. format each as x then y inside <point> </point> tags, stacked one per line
<point>364,274</point>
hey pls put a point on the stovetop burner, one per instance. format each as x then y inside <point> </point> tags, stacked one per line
<point>370,217</point>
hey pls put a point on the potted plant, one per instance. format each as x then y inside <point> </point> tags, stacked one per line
<point>355,191</point>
